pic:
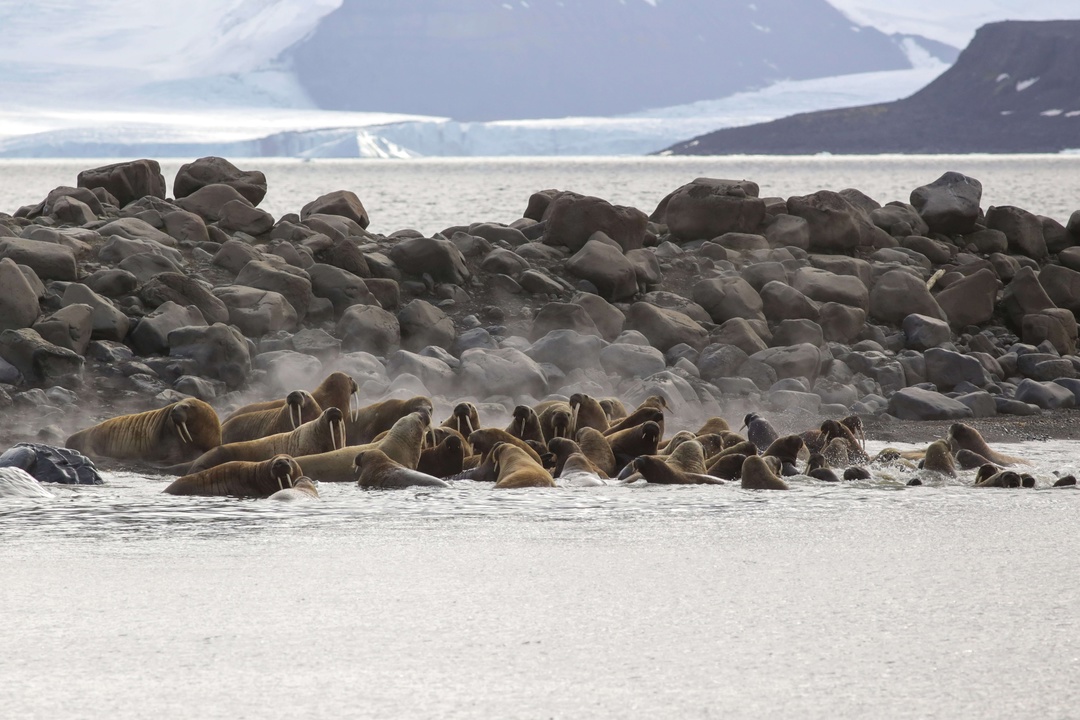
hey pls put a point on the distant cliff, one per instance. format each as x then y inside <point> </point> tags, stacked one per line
<point>1016,88</point>
<point>494,59</point>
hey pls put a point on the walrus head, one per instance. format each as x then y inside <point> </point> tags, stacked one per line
<point>650,433</point>
<point>614,412</point>
<point>561,424</point>
<point>284,469</point>
<point>463,418</point>
<point>854,423</point>
<point>295,403</point>
<point>335,420</point>
<point>816,462</point>
<point>654,401</point>
<point>678,439</point>
<point>523,416</point>
<point>786,448</point>
<point>196,424</point>
<point>986,472</point>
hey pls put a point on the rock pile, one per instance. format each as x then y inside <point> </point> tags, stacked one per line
<point>828,303</point>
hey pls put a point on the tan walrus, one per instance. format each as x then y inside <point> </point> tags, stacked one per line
<point>556,421</point>
<point>177,433</point>
<point>371,421</point>
<point>375,471</point>
<point>578,471</point>
<point>445,459</point>
<point>939,458</point>
<point>465,419</point>
<point>323,434</point>
<point>587,412</point>
<point>525,425</point>
<point>337,389</point>
<point>515,469</point>
<point>240,478</point>
<point>302,489</point>
<point>404,443</point>
<point>596,447</point>
<point>757,474</point>
<point>300,407</point>
<point>965,437</point>
<point>655,471</point>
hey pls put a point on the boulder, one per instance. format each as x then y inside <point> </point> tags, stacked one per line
<point>832,220</point>
<point>370,329</point>
<point>709,207</point>
<point>340,287</point>
<point>646,267</point>
<point>728,297</point>
<point>1055,325</point>
<point>823,286</point>
<point>841,323</point>
<point>785,231</point>
<point>780,302</point>
<point>1023,296</point>
<point>1046,395</point>
<point>423,324</point>
<point>797,332</point>
<point>563,316</point>
<point>1055,234</point>
<point>665,328</point>
<point>38,360</point>
<point>671,301</point>
<point>292,283</point>
<point>503,261</point>
<point>219,351</point>
<point>506,372</point>
<point>947,369</point>
<point>632,361</point>
<point>607,268</point>
<point>209,201</point>
<point>18,300</point>
<point>719,361</point>
<point>1022,229</point>
<point>109,323</point>
<point>899,220</point>
<point>69,327</point>
<point>251,184</point>
<point>343,203</point>
<point>922,332</point>
<point>257,312</point>
<point>151,335</point>
<point>1062,286</point>
<point>792,362</point>
<point>970,301</point>
<point>950,204</point>
<point>609,320</point>
<point>567,350</point>
<point>184,226</point>
<point>239,216</point>
<point>495,233</point>
<point>126,181</point>
<point>436,257</point>
<point>571,219</point>
<point>920,404</point>
<point>897,294</point>
<point>183,291</point>
<point>988,242</point>
<point>48,261</point>
<point>434,373</point>
<point>234,255</point>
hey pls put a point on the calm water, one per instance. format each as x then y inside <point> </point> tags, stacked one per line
<point>860,600</point>
<point>434,193</point>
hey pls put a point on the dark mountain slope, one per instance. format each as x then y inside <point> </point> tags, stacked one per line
<point>495,59</point>
<point>1016,88</point>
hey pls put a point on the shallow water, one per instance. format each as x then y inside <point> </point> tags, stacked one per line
<point>431,194</point>
<point>856,600</point>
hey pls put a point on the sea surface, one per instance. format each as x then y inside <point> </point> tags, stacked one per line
<point>856,600</point>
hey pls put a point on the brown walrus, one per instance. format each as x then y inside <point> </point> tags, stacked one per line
<point>587,412</point>
<point>337,389</point>
<point>302,489</point>
<point>688,458</point>
<point>1003,479</point>
<point>578,471</point>
<point>647,412</point>
<point>556,421</point>
<point>940,459</point>
<point>968,460</point>
<point>634,441</point>
<point>485,440</point>
<point>562,449</point>
<point>744,448</point>
<point>403,444</point>
<point>240,478</point>
<point>837,452</point>
<point>325,433</point>
<point>757,474</point>
<point>596,447</point>
<point>728,467</point>
<point>713,426</point>
<point>370,421</point>
<point>525,424</point>
<point>666,446</point>
<point>965,437</point>
<point>177,433</point>
<point>375,470</point>
<point>613,408</point>
<point>299,408</point>
<point>787,448</point>
<point>818,468</point>
<point>656,471</point>
<point>515,469</point>
<point>465,419</point>
<point>445,459</point>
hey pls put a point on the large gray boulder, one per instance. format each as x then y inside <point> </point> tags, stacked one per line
<point>665,328</point>
<point>781,302</point>
<point>609,320</point>
<point>184,290</point>
<point>823,286</point>
<point>728,297</point>
<point>209,201</point>
<point>1062,286</point>
<point>151,335</point>
<point>219,351</point>
<point>897,294</point>
<point>1046,395</point>
<point>792,362</point>
<point>1023,230</point>
<point>571,219</point>
<point>632,361</point>
<point>567,350</point>
<point>293,283</point>
<point>109,323</point>
<point>922,332</point>
<point>69,327</point>
<point>607,268</point>
<point>563,316</point>
<point>436,257</point>
<point>920,404</point>
<point>370,329</point>
<point>946,369</point>
<point>708,207</point>
<point>126,181</point>
<point>251,184</point>
<point>833,222</point>
<point>38,360</point>
<point>257,312</point>
<point>506,372</point>
<point>423,324</point>
<point>950,204</point>
<point>18,300</point>
<point>49,261</point>
<point>340,287</point>
<point>1024,295</point>
<point>344,203</point>
<point>970,301</point>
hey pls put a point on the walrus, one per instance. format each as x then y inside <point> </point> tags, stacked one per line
<point>1003,479</point>
<point>596,447</point>
<point>713,426</point>
<point>757,474</point>
<point>614,409</point>
<point>515,469</point>
<point>857,473</point>
<point>730,438</point>
<point>464,419</point>
<point>711,443</point>
<point>759,431</point>
<point>640,416</point>
<point>403,444</point>
<point>525,424</point>
<point>940,459</point>
<point>634,441</point>
<point>368,422</point>
<point>1067,481</point>
<point>854,424</point>
<point>445,459</point>
<point>986,471</point>
<point>240,478</point>
<point>324,434</point>
<point>587,412</point>
<point>687,458</point>
<point>562,449</point>
<point>16,482</point>
<point>832,430</point>
<point>300,407</point>
<point>968,460</point>
<point>818,468</point>
<point>177,433</point>
<point>728,467</point>
<point>667,446</point>
<point>485,440</point>
<point>965,437</point>
<point>337,389</point>
<point>302,489</point>
<point>656,471</point>
<point>787,448</point>
<point>374,470</point>
<point>578,471</point>
<point>556,420</point>
<point>744,448</point>
<point>837,452</point>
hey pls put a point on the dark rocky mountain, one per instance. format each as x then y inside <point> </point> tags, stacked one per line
<point>490,59</point>
<point>1016,88</point>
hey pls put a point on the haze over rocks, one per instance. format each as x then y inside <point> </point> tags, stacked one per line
<point>826,304</point>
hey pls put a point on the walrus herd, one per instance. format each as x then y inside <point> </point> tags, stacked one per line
<point>284,448</point>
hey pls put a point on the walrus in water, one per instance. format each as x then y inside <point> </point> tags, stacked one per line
<point>744,448</point>
<point>403,444</point>
<point>759,431</point>
<point>485,440</point>
<point>525,425</point>
<point>324,434</point>
<point>556,421</point>
<point>370,421</point>
<point>634,441</point>
<point>1003,479</point>
<point>337,389</point>
<point>578,471</point>
<point>465,419</point>
<point>445,459</point>
<point>562,449</point>
<point>968,460</point>
<point>515,469</point>
<point>177,433</point>
<point>240,478</point>
<point>668,446</point>
<point>757,474</point>
<point>687,458</point>
<point>940,459</point>
<point>787,448</point>
<point>965,437</point>
<point>818,468</point>
<point>587,412</point>
<point>299,408</point>
<point>597,448</point>
<point>375,470</point>
<point>656,471</point>
<point>302,489</point>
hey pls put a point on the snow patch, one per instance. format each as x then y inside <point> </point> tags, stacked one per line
<point>1025,84</point>
<point>1002,77</point>
<point>1073,113</point>
<point>1051,113</point>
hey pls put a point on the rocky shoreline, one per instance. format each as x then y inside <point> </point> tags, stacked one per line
<point>117,299</point>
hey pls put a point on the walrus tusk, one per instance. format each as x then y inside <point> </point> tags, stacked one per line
<point>337,434</point>
<point>354,405</point>
<point>468,424</point>
<point>573,420</point>
<point>522,427</point>
<point>294,416</point>
<point>288,479</point>
<point>185,434</point>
